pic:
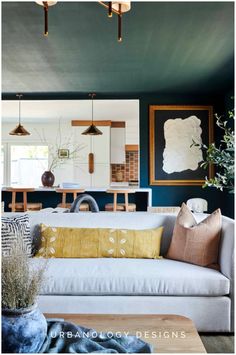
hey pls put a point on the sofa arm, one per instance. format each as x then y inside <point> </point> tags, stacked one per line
<point>226,252</point>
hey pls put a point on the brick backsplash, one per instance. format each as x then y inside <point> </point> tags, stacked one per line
<point>129,169</point>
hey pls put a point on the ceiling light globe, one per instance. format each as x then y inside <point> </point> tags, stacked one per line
<point>125,5</point>
<point>50,3</point>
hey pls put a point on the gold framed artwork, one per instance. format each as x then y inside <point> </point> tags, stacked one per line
<point>63,153</point>
<point>173,160</point>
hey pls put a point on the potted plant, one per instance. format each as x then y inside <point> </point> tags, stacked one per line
<point>24,327</point>
<point>221,156</point>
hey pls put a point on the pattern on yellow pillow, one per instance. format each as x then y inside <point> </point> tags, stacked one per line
<point>127,243</point>
<point>64,242</point>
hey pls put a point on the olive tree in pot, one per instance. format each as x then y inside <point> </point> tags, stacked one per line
<point>221,156</point>
<point>24,327</point>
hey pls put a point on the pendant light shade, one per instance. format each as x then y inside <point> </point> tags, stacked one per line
<point>92,130</point>
<point>19,130</point>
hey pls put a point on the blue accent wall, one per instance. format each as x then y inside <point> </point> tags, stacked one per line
<point>175,195</point>
<point>163,195</point>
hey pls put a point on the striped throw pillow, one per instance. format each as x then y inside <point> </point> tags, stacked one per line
<point>15,227</point>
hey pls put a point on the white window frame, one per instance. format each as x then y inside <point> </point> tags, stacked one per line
<point>7,157</point>
<point>5,172</point>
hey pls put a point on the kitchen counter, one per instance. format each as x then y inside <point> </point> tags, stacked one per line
<point>49,197</point>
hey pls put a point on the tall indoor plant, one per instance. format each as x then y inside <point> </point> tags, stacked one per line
<point>221,156</point>
<point>24,327</point>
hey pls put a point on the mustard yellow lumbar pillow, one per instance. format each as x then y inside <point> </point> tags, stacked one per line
<point>64,242</point>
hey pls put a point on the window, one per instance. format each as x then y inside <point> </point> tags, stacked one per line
<point>2,165</point>
<point>27,164</point>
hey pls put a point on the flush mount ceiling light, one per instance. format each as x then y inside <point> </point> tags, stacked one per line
<point>19,130</point>
<point>46,5</point>
<point>118,8</point>
<point>92,130</point>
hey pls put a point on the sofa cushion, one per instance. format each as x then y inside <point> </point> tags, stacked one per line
<point>105,276</point>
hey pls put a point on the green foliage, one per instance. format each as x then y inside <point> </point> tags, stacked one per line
<point>222,157</point>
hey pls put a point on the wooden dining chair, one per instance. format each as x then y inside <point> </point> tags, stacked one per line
<point>24,205</point>
<point>84,207</point>
<point>126,206</point>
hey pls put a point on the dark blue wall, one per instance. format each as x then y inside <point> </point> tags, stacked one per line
<point>175,195</point>
<point>163,195</point>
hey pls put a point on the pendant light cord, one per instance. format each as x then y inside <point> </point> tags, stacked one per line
<point>92,96</point>
<point>92,130</point>
<point>19,112</point>
<point>19,96</point>
<point>91,140</point>
<point>92,109</point>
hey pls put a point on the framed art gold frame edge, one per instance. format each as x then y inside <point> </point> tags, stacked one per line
<point>152,109</point>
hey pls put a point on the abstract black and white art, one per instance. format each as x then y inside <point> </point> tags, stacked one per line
<point>174,159</point>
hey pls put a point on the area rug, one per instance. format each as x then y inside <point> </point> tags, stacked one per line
<point>64,337</point>
<point>218,344</point>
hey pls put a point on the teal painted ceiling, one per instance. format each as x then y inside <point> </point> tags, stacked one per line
<point>167,47</point>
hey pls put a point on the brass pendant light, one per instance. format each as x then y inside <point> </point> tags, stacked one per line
<point>19,130</point>
<point>45,5</point>
<point>92,130</point>
<point>118,8</point>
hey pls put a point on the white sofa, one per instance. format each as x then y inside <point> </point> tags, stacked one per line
<point>139,286</point>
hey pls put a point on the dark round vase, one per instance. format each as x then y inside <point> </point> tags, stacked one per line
<point>47,179</point>
<point>23,330</point>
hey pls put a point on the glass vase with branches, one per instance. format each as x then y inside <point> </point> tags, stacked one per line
<point>61,142</point>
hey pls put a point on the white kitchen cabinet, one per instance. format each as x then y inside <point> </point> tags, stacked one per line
<point>100,147</point>
<point>84,143</point>
<point>99,178</point>
<point>82,175</point>
<point>132,131</point>
<point>118,145</point>
<point>101,175</point>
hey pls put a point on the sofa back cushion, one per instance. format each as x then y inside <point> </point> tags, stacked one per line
<point>196,243</point>
<point>64,242</point>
